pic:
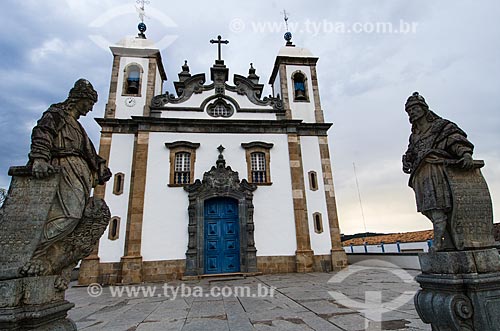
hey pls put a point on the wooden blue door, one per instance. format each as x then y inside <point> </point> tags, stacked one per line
<point>222,236</point>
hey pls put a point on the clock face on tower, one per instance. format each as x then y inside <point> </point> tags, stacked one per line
<point>130,102</point>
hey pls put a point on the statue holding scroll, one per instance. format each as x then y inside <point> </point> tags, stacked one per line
<point>449,188</point>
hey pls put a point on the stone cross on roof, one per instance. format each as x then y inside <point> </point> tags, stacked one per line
<point>219,41</point>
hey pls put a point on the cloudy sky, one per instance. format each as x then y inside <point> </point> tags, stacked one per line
<point>451,57</point>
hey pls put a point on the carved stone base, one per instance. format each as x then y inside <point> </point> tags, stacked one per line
<point>32,303</point>
<point>304,260</point>
<point>465,300</point>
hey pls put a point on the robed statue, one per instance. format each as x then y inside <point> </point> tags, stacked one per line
<point>448,185</point>
<point>49,221</point>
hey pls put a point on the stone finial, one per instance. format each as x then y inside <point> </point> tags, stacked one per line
<point>252,76</point>
<point>221,163</point>
<point>184,74</point>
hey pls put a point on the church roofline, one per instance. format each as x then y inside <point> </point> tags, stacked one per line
<point>154,124</point>
<point>142,53</point>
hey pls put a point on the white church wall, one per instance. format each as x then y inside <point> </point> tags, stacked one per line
<point>123,111</point>
<point>204,115</point>
<point>164,234</point>
<point>120,160</point>
<point>277,86</point>
<point>320,242</point>
<point>301,110</point>
<point>159,83</point>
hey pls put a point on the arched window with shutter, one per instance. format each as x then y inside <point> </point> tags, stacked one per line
<point>300,92</point>
<point>132,80</point>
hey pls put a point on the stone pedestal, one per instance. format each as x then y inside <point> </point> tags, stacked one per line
<point>460,290</point>
<point>33,303</point>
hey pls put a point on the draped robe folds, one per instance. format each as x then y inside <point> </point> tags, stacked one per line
<point>427,154</point>
<point>61,141</point>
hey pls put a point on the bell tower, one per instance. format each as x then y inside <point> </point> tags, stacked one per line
<point>294,80</point>
<point>136,77</point>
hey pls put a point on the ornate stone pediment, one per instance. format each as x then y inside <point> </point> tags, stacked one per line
<point>220,179</point>
<point>194,84</point>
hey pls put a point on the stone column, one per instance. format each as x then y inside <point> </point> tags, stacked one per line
<point>318,112</point>
<point>132,259</point>
<point>339,257</point>
<point>150,88</point>
<point>284,91</point>
<point>304,254</point>
<point>113,88</point>
<point>89,267</point>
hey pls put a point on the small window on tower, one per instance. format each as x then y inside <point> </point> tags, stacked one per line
<point>313,181</point>
<point>299,87</point>
<point>318,222</point>
<point>114,228</point>
<point>132,80</point>
<point>118,184</point>
<point>258,162</point>
<point>182,157</point>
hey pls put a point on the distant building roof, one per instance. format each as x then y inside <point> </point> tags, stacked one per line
<point>404,237</point>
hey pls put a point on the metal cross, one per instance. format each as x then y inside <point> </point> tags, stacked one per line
<point>220,42</point>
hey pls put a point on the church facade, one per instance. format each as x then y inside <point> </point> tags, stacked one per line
<point>216,178</point>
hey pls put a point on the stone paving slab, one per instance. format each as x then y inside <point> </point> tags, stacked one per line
<point>356,299</point>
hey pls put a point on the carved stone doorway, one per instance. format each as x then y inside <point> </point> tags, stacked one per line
<point>220,182</point>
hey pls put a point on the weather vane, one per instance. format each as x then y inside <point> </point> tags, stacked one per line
<point>142,14</point>
<point>285,16</point>
<point>288,34</point>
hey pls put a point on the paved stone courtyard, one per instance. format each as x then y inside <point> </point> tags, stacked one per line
<point>357,297</point>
